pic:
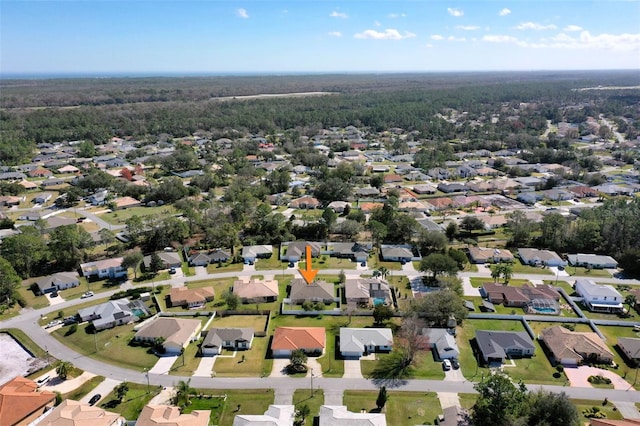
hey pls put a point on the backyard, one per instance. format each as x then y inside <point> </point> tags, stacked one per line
<point>226,404</point>
<point>312,399</point>
<point>133,402</point>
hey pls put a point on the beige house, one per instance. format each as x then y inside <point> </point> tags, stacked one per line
<point>254,290</point>
<point>573,348</point>
<point>21,402</point>
<point>74,413</point>
<point>166,415</point>
<point>191,298</point>
<point>176,333</point>
<point>492,255</point>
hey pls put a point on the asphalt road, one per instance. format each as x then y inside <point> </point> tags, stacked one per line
<point>27,321</point>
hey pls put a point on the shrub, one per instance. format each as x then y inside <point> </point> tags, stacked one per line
<point>560,369</point>
<point>594,413</point>
<point>599,380</point>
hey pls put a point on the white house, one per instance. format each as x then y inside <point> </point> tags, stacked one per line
<point>599,297</point>
<point>592,261</point>
<point>58,281</point>
<point>338,415</point>
<point>535,257</point>
<point>356,342</point>
<point>113,312</point>
<point>107,268</point>
<point>442,342</point>
<point>227,338</point>
<point>276,415</point>
<point>176,333</point>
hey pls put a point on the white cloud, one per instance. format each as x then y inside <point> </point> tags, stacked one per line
<point>377,23</point>
<point>468,27</point>
<point>428,45</point>
<point>242,13</point>
<point>455,12</point>
<point>388,34</point>
<point>437,37</point>
<point>535,26</point>
<point>397,15</point>
<point>336,14</point>
<point>572,28</point>
<point>335,34</point>
<point>504,12</point>
<point>453,38</point>
<point>499,39</point>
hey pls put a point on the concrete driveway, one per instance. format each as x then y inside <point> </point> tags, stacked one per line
<point>352,369</point>
<point>468,289</point>
<point>55,300</point>
<point>278,369</point>
<point>103,389</point>
<point>64,386</point>
<point>164,364</point>
<point>578,377</point>
<point>454,375</point>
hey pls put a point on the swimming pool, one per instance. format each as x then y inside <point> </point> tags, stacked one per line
<point>542,310</point>
<point>378,301</point>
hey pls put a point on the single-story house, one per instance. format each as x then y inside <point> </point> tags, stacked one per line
<point>442,342</point>
<point>226,338</point>
<point>599,297</point>
<point>305,202</point>
<point>535,257</point>
<point>122,203</point>
<point>367,291</point>
<point>316,291</point>
<point>339,206</point>
<point>72,413</point>
<point>10,200</point>
<point>518,296</point>
<point>592,261</point>
<point>276,415</point>
<point>396,253</point>
<point>176,333</point>
<point>113,313</point>
<point>571,348</point>
<point>358,252</point>
<point>170,259</point>
<point>108,268</point>
<point>57,281</point>
<point>496,346</point>
<point>42,198</point>
<point>487,254</point>
<point>296,250</point>
<point>167,415</point>
<point>21,402</point>
<point>251,253</point>
<point>191,297</point>
<point>312,340</point>
<point>356,342</point>
<point>255,290</point>
<point>631,348</point>
<point>338,415</point>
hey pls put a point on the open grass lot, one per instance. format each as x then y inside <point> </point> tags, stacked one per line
<point>519,268</point>
<point>478,281</point>
<point>119,217</point>
<point>237,401</point>
<point>33,301</point>
<point>426,366</point>
<point>326,262</point>
<point>113,346</point>
<point>84,389</point>
<point>312,400</point>
<point>257,322</point>
<point>215,268</point>
<point>402,408</point>
<point>375,263</point>
<point>132,403</point>
<point>271,263</point>
<point>187,363</point>
<point>583,404</point>
<point>584,272</point>
<point>151,279</point>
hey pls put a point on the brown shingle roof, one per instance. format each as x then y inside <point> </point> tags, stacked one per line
<point>566,344</point>
<point>187,296</point>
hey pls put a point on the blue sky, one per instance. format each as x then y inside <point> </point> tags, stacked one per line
<point>210,36</point>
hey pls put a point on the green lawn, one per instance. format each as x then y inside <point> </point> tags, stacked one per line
<point>215,268</point>
<point>375,263</point>
<point>519,268</point>
<point>119,217</point>
<point>467,400</point>
<point>257,322</point>
<point>331,362</point>
<point>478,281</point>
<point>255,364</point>
<point>187,363</point>
<point>79,393</point>
<point>612,334</point>
<point>402,408</point>
<point>312,399</point>
<point>224,410</point>
<point>327,262</point>
<point>632,317</point>
<point>33,301</point>
<point>113,346</point>
<point>584,272</point>
<point>426,366</point>
<point>271,263</point>
<point>583,404</point>
<point>132,403</point>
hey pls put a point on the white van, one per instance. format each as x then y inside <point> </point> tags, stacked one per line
<point>43,380</point>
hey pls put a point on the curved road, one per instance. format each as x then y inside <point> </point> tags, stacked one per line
<point>27,321</point>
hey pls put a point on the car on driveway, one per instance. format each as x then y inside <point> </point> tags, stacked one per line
<point>172,271</point>
<point>94,399</point>
<point>455,363</point>
<point>446,365</point>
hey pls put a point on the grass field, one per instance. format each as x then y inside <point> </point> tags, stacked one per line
<point>257,322</point>
<point>426,366</point>
<point>119,217</point>
<point>271,263</point>
<point>583,404</point>
<point>519,268</point>
<point>584,272</point>
<point>255,364</point>
<point>238,401</point>
<point>326,262</point>
<point>612,334</point>
<point>188,362</point>
<point>215,268</point>
<point>467,400</point>
<point>113,346</point>
<point>402,408</point>
<point>132,403</point>
<point>312,400</point>
<point>79,393</point>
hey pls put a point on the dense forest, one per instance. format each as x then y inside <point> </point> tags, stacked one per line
<point>97,109</point>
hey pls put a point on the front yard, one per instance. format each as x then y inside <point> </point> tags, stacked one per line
<point>133,402</point>
<point>402,408</point>
<point>226,404</point>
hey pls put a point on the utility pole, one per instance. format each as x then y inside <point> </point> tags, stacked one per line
<point>95,338</point>
<point>146,373</point>
<point>311,381</point>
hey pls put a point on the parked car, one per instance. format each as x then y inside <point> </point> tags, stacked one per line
<point>291,265</point>
<point>363,264</point>
<point>43,380</point>
<point>172,271</point>
<point>446,365</point>
<point>455,363</point>
<point>54,294</point>
<point>87,294</point>
<point>70,320</point>
<point>94,399</point>
<point>560,268</point>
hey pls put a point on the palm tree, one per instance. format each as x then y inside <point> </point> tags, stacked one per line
<point>63,369</point>
<point>121,390</point>
<point>183,390</point>
<point>631,301</point>
<point>507,273</point>
<point>496,272</point>
<point>384,272</point>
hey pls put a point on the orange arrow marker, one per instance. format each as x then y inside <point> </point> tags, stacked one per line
<point>308,274</point>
